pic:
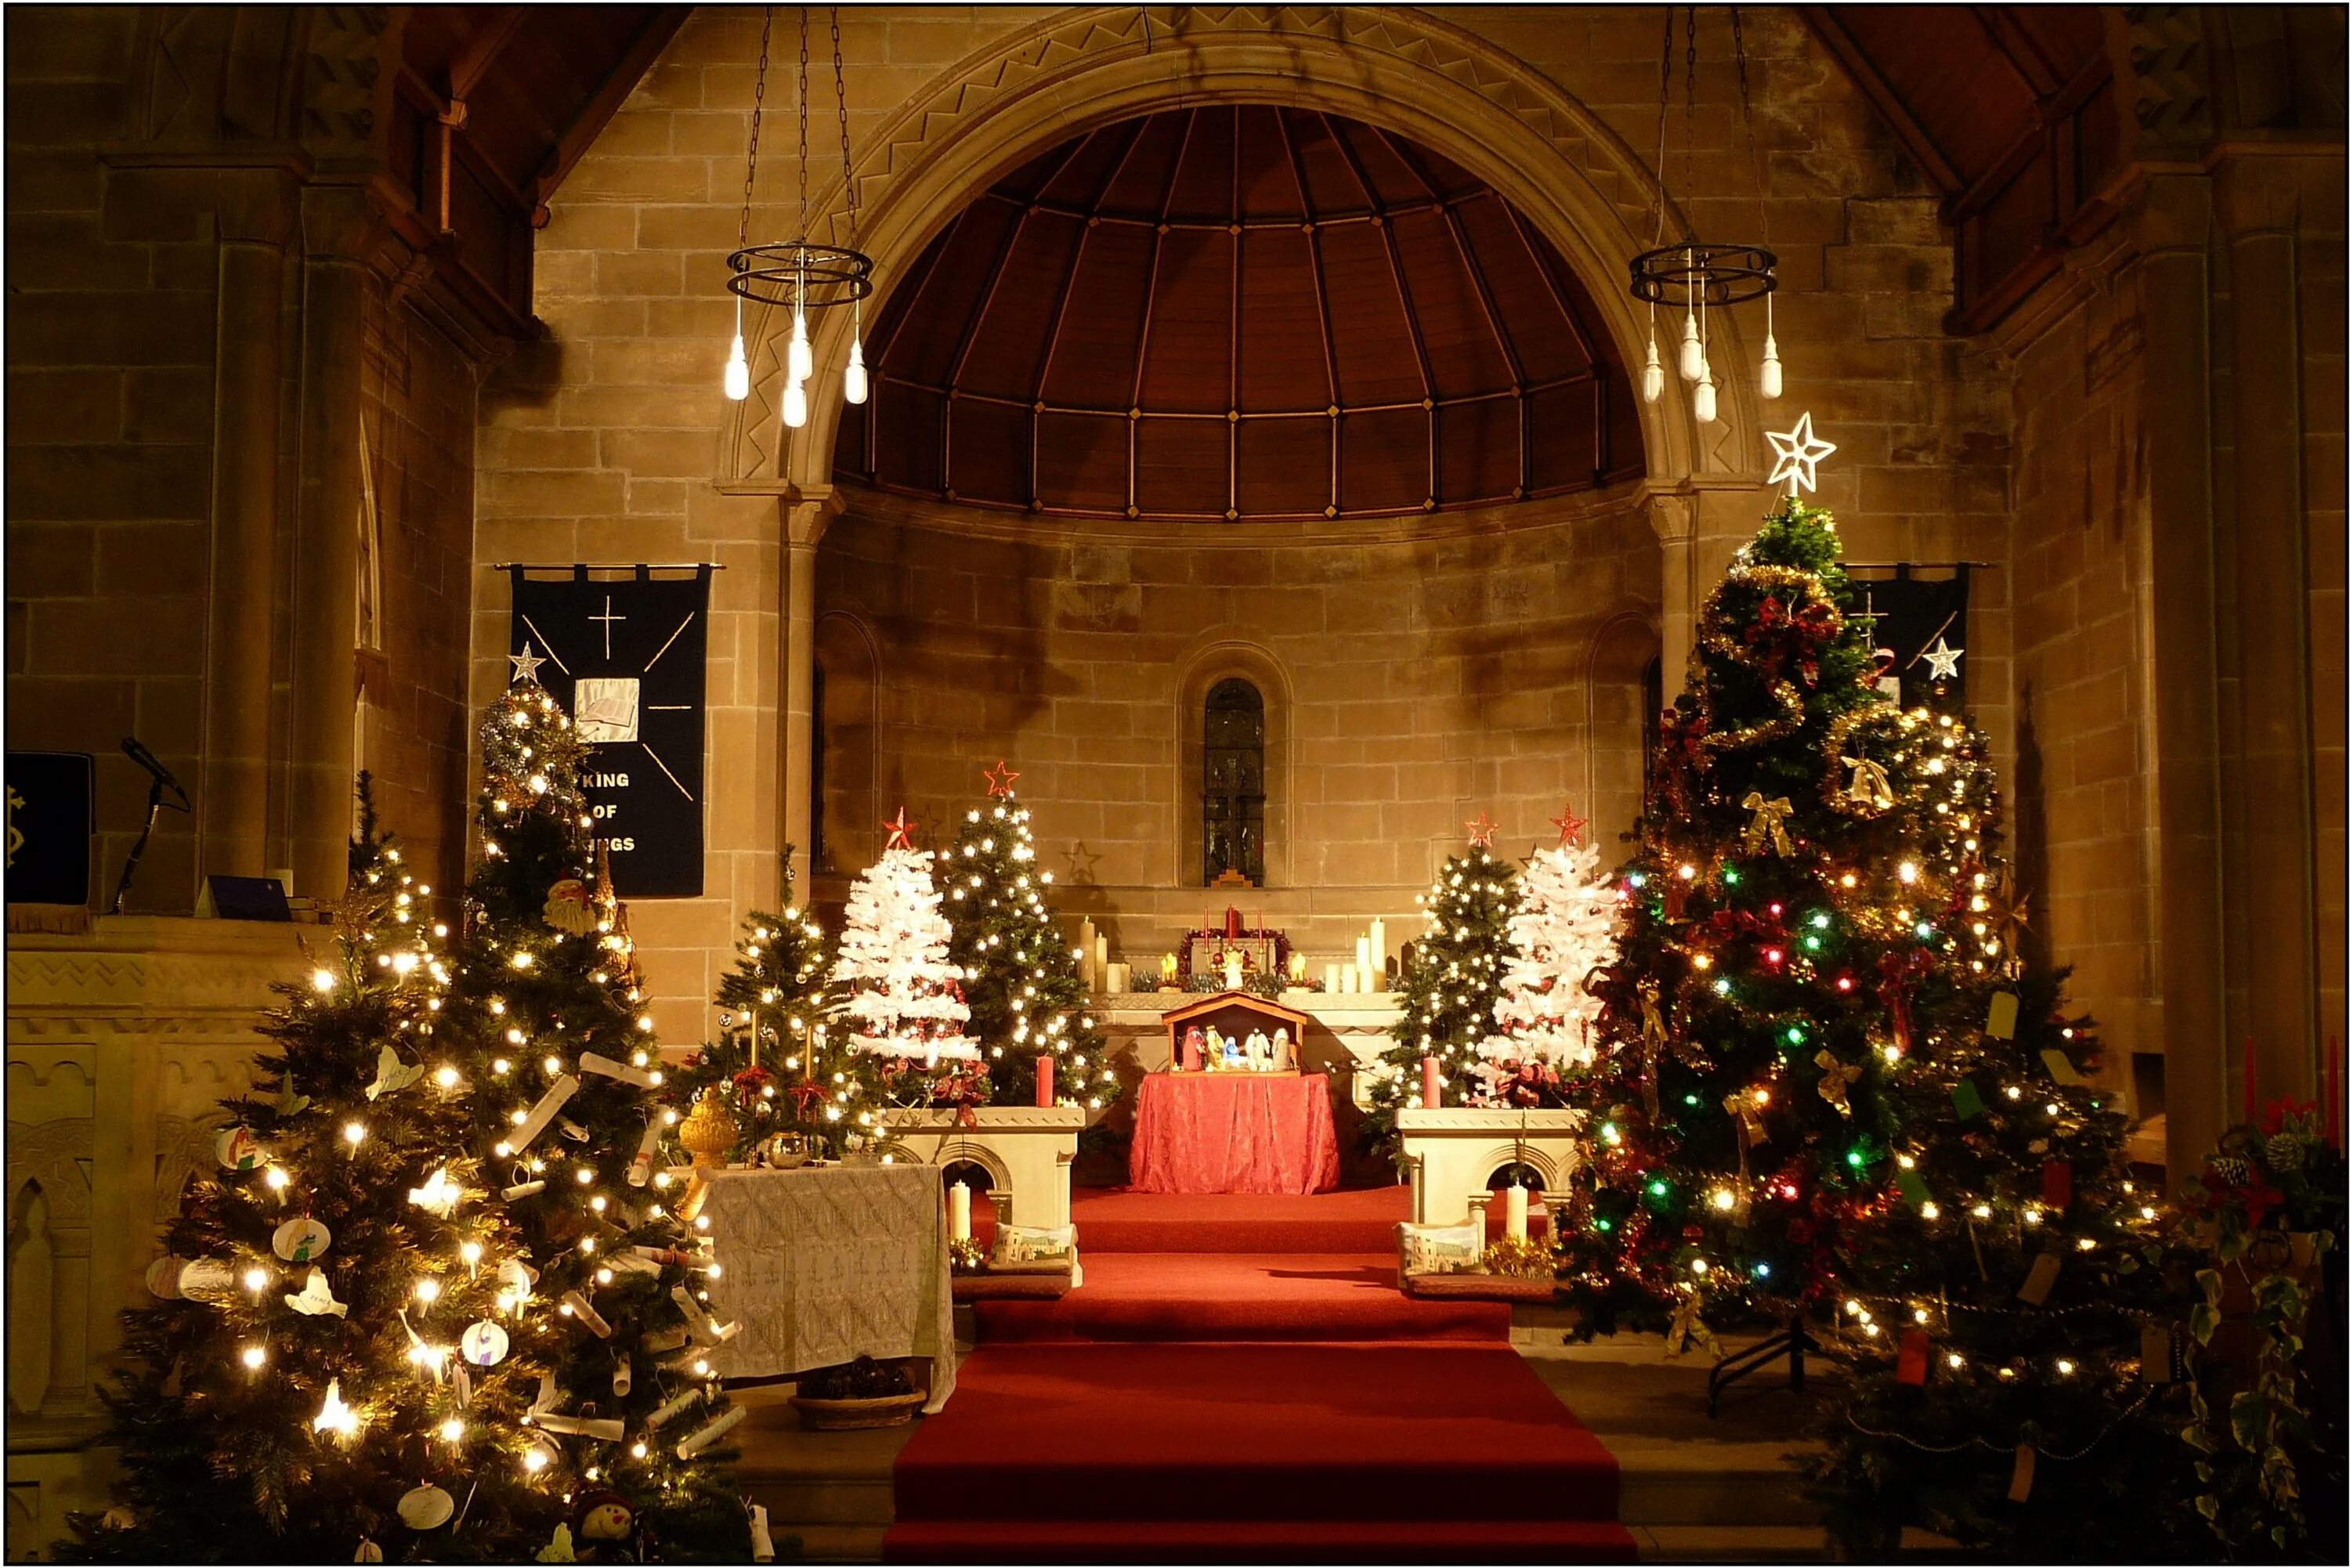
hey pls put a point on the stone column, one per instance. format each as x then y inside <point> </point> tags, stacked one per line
<point>803,523</point>
<point>255,215</point>
<point>2274,883</point>
<point>1674,518</point>
<point>326,554</point>
<point>2176,438</point>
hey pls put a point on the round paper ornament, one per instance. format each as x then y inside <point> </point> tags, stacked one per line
<point>300,1240</point>
<point>163,1278</point>
<point>426,1507</point>
<point>237,1149</point>
<point>569,907</point>
<point>368,1552</point>
<point>483,1343</point>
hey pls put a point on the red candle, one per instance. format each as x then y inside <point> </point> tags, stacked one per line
<point>1231,923</point>
<point>1045,1081</point>
<point>2251,1085</point>
<point>1432,1091</point>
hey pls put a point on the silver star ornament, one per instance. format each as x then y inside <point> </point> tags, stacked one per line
<point>1799,453</point>
<point>1942,660</point>
<point>526,663</point>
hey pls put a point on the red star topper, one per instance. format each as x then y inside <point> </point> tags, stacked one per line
<point>1000,777</point>
<point>1480,831</point>
<point>899,830</point>
<point>1570,827</point>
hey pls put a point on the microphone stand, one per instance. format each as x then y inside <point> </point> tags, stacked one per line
<point>154,808</point>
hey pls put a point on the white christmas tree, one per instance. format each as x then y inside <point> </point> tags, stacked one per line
<point>905,1000</point>
<point>1564,928</point>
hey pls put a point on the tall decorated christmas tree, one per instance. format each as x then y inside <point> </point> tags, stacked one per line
<point>904,995</point>
<point>562,1075</point>
<point>1020,975</point>
<point>1562,935</point>
<point>1449,982</point>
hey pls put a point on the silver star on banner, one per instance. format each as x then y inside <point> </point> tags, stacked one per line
<point>1942,660</point>
<point>526,663</point>
<point>1799,454</point>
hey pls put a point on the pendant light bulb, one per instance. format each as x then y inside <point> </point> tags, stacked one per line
<point>803,361</point>
<point>1703,402</point>
<point>1652,377</point>
<point>738,371</point>
<point>1692,349</point>
<point>852,386</point>
<point>795,403</point>
<point>1774,381</point>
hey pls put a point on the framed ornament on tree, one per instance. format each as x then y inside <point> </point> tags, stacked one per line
<point>625,655</point>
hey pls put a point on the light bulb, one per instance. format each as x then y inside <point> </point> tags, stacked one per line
<point>738,371</point>
<point>1703,402</point>
<point>1774,381</point>
<point>803,359</point>
<point>795,404</point>
<point>254,1355</point>
<point>1652,377</point>
<point>1692,349</point>
<point>852,385</point>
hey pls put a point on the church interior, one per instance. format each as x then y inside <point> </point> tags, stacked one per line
<point>1085,784</point>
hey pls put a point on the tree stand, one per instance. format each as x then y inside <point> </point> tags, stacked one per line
<point>1791,1341</point>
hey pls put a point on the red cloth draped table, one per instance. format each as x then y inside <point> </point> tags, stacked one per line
<point>1234,1132</point>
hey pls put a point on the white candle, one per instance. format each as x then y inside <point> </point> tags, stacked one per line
<point>763,1545</point>
<point>1350,979</point>
<point>1121,975</point>
<point>1379,943</point>
<point>1363,954</point>
<point>959,1212</point>
<point>1086,951</point>
<point>1513,1214</point>
<point>1330,979</point>
<point>1101,960</point>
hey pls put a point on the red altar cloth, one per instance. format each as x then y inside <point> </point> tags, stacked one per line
<point>1234,1132</point>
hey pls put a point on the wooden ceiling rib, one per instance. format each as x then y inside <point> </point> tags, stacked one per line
<point>1240,312</point>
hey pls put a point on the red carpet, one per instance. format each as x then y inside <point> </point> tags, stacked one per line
<point>1239,1380</point>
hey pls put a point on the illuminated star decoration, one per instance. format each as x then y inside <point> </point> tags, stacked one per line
<point>999,778</point>
<point>526,663</point>
<point>1799,454</point>
<point>1570,827</point>
<point>1480,831</point>
<point>1942,660</point>
<point>897,832</point>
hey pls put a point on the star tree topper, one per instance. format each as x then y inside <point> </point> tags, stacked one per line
<point>999,778</point>
<point>1942,660</point>
<point>526,663</point>
<point>1480,831</point>
<point>1799,454</point>
<point>898,831</point>
<point>1570,827</point>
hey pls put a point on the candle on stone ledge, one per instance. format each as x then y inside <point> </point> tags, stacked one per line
<point>1101,964</point>
<point>1363,955</point>
<point>1432,1083</point>
<point>1513,1213</point>
<point>958,1212</point>
<point>1330,979</point>
<point>1231,924</point>
<point>1045,1081</point>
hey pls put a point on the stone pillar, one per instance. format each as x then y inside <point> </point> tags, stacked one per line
<point>2274,879</point>
<point>803,525</point>
<point>2176,438</point>
<point>1674,518</point>
<point>233,802</point>
<point>326,554</point>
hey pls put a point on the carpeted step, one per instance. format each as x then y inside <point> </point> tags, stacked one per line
<point>1281,1434</point>
<point>1119,1221</point>
<point>1260,1541</point>
<point>1203,1296</point>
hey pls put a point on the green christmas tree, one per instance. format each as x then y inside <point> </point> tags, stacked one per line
<point>1019,972</point>
<point>316,1372</point>
<point>564,1084</point>
<point>1450,979</point>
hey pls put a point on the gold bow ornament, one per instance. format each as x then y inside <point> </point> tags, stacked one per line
<point>1836,1080</point>
<point>1869,788</point>
<point>1769,822</point>
<point>1654,1038</point>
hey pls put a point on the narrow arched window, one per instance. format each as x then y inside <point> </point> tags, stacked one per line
<point>1232,782</point>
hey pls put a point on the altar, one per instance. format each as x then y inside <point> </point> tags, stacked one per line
<point>1234,1132</point>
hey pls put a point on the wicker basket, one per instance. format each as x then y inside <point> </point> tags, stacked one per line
<point>855,1415</point>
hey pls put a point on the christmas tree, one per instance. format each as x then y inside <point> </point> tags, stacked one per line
<point>1020,974</point>
<point>562,1075</point>
<point>778,1065</point>
<point>1561,936</point>
<point>904,994</point>
<point>1449,982</point>
<point>337,1355</point>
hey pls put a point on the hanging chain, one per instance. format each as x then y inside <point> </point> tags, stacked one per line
<point>840,100</point>
<point>804,109</point>
<point>1688,109</point>
<point>1746,116</point>
<point>758,104</point>
<point>1664,115</point>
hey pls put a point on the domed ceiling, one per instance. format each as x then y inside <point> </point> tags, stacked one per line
<point>1237,312</point>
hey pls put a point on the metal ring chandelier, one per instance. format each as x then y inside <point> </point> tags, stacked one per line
<point>802,274</point>
<point>1694,276</point>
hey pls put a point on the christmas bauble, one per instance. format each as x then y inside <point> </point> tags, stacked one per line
<point>484,1344</point>
<point>300,1240</point>
<point>426,1507</point>
<point>237,1149</point>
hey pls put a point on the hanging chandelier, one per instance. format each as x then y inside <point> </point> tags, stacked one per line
<point>799,274</point>
<point>1694,276</point>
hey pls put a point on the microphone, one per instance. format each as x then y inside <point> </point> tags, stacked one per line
<point>138,753</point>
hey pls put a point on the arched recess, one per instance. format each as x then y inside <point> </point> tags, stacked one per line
<point>1544,1164</point>
<point>849,741</point>
<point>1614,684</point>
<point>1587,194</point>
<point>1220,654</point>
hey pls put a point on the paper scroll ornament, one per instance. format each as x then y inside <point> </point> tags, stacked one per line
<point>605,1066</point>
<point>550,1104</point>
<point>587,1314</point>
<point>710,1434</point>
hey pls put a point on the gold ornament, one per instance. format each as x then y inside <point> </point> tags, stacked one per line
<point>1836,1081</point>
<point>1868,789</point>
<point>709,1131</point>
<point>1768,824</point>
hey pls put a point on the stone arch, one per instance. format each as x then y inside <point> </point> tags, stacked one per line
<point>1542,1161</point>
<point>957,1150</point>
<point>1612,684</point>
<point>1220,653</point>
<point>1563,170</point>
